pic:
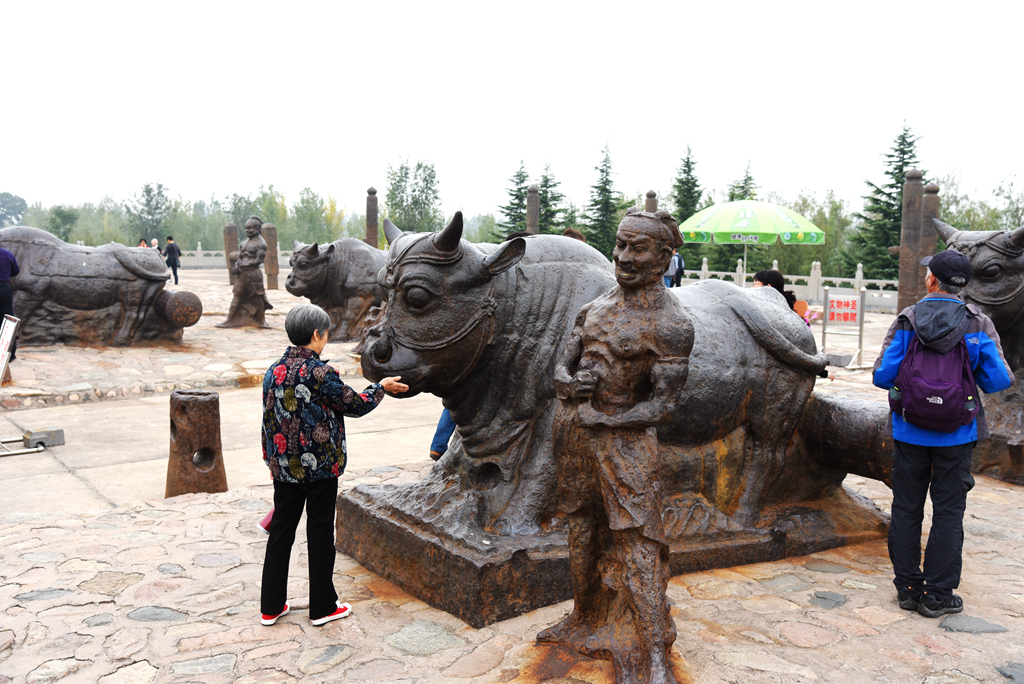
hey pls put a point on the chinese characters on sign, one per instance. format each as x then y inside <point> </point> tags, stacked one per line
<point>843,310</point>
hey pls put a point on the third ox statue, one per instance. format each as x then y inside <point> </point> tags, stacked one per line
<point>749,464</point>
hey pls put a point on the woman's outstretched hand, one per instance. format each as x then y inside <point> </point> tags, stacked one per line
<point>393,386</point>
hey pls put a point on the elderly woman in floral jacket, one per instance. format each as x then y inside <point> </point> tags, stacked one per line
<point>304,400</point>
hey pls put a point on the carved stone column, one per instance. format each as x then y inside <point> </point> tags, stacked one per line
<point>371,217</point>
<point>651,204</point>
<point>270,264</point>
<point>532,210</point>
<point>910,242</point>
<point>196,462</point>
<point>230,245</point>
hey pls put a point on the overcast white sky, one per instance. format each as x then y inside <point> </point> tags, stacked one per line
<point>212,98</point>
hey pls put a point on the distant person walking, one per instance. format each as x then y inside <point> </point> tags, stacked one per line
<point>303,436</point>
<point>673,267</point>
<point>173,256</point>
<point>680,265</point>
<point>935,356</point>
<point>8,269</point>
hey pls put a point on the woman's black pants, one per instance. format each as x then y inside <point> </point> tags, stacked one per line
<point>319,499</point>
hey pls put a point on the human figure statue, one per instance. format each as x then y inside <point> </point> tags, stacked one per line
<point>617,379</point>
<point>249,302</point>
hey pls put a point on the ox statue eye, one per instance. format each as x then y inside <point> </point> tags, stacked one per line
<point>990,272</point>
<point>417,297</point>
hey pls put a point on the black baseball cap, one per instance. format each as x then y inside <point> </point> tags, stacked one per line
<point>950,267</point>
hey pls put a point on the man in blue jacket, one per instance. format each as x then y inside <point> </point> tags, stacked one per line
<point>940,459</point>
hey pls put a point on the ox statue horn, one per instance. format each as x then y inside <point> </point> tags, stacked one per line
<point>1017,236</point>
<point>448,239</point>
<point>945,231</point>
<point>391,232</point>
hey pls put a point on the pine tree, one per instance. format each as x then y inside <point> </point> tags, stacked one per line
<point>515,211</point>
<point>550,200</point>
<point>882,218</point>
<point>600,224</point>
<point>686,190</point>
<point>724,257</point>
<point>743,189</point>
<point>147,211</point>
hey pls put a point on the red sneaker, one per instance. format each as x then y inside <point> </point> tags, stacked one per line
<point>271,619</point>
<point>344,610</point>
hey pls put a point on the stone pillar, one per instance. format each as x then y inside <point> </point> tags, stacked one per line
<point>230,246</point>
<point>704,269</point>
<point>271,264</point>
<point>741,276</point>
<point>199,252</point>
<point>196,462</point>
<point>775,264</point>
<point>910,240</point>
<point>931,207</point>
<point>371,217</point>
<point>651,204</point>
<point>532,210</point>
<point>814,281</point>
<point>858,278</point>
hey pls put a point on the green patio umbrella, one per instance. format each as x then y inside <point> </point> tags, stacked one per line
<point>749,222</point>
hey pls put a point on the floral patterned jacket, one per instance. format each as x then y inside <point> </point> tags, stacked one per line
<point>304,400</point>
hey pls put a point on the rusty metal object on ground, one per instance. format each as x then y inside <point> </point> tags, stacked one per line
<point>88,295</point>
<point>196,461</point>
<point>340,278</point>
<point>481,325</point>
<point>180,308</point>
<point>996,288</point>
<point>249,301</point>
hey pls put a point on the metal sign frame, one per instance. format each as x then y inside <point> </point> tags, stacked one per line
<point>856,363</point>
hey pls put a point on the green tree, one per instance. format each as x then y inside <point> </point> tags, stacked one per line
<point>62,219</point>
<point>413,201</point>
<point>686,201</point>
<point>240,208</point>
<point>482,228</point>
<point>743,189</point>
<point>514,213</point>
<point>308,219</point>
<point>602,209</point>
<point>1011,215</point>
<point>550,203</point>
<point>831,215</point>
<point>146,212</point>
<point>882,216</point>
<point>12,208</point>
<point>964,212</point>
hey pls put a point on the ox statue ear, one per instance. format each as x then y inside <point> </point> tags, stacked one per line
<point>506,256</point>
<point>448,239</point>
<point>296,245</point>
<point>391,232</point>
<point>945,231</point>
<point>1017,236</point>
<point>330,248</point>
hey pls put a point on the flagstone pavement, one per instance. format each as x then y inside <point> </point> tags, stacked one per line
<point>167,590</point>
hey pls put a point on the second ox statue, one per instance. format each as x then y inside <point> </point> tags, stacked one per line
<point>997,289</point>
<point>753,464</point>
<point>340,278</point>
<point>111,294</point>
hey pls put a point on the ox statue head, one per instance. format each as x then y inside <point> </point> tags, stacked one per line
<point>997,286</point>
<point>309,266</point>
<point>442,307</point>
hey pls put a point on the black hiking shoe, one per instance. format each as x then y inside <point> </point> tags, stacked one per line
<point>931,608</point>
<point>908,597</point>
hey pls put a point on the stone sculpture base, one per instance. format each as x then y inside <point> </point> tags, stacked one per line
<point>1002,455</point>
<point>484,578</point>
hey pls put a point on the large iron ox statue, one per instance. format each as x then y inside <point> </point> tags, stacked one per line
<point>753,463</point>
<point>111,294</point>
<point>997,289</point>
<point>340,278</point>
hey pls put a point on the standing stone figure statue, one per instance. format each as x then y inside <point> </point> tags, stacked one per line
<point>618,378</point>
<point>249,302</point>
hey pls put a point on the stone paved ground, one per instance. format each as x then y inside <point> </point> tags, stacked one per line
<point>208,357</point>
<point>167,590</point>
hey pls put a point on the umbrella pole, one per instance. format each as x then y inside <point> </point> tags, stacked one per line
<point>744,264</point>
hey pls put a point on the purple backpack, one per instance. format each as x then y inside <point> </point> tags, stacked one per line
<point>936,391</point>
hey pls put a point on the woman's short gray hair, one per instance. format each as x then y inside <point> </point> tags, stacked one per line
<point>303,320</point>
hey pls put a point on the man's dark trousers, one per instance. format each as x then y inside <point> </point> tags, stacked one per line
<point>948,471</point>
<point>320,499</point>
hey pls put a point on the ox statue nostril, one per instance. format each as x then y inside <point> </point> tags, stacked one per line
<point>382,349</point>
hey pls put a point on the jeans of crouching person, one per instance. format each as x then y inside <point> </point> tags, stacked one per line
<point>948,470</point>
<point>319,499</point>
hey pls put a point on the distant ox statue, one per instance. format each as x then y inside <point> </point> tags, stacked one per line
<point>997,289</point>
<point>341,278</point>
<point>753,464</point>
<point>93,295</point>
